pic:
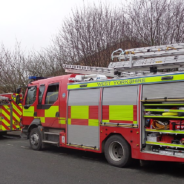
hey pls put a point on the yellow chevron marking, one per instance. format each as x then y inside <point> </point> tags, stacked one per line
<point>16,109</point>
<point>7,107</point>
<point>6,115</point>
<point>3,128</point>
<point>16,117</point>
<point>6,123</point>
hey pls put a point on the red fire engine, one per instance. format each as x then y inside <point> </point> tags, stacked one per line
<point>134,115</point>
<point>10,112</point>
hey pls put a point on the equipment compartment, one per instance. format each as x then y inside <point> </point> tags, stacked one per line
<point>163,126</point>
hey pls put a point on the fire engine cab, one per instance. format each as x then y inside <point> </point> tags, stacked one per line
<point>132,109</point>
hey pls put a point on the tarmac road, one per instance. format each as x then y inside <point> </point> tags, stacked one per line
<point>21,165</point>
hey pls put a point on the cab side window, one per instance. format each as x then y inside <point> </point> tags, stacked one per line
<point>41,92</point>
<point>52,93</point>
<point>31,95</point>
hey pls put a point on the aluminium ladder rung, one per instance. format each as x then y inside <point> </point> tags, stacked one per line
<point>148,52</point>
<point>151,54</point>
<point>109,72</point>
<point>157,48</point>
<point>169,56</point>
<point>160,62</point>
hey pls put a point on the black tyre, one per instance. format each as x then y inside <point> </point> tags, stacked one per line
<point>35,139</point>
<point>117,151</point>
<point>3,133</point>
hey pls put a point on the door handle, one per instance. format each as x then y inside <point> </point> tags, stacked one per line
<point>57,114</point>
<point>26,106</point>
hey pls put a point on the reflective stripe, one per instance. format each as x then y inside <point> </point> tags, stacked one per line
<point>120,82</point>
<point>6,122</point>
<point>79,112</point>
<point>165,144</point>
<point>83,115</point>
<point>166,131</point>
<point>28,112</point>
<point>6,107</point>
<point>93,122</point>
<point>5,127</point>
<point>121,112</point>
<point>62,120</point>
<point>69,121</point>
<point>105,120</point>
<point>16,109</point>
<point>51,112</point>
<point>6,114</point>
<point>15,117</point>
<point>10,117</point>
<point>42,119</point>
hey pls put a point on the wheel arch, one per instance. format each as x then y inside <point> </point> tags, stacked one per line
<point>34,124</point>
<point>112,154</point>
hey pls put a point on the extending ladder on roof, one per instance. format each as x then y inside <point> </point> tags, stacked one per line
<point>140,61</point>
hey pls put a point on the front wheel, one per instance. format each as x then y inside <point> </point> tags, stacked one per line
<point>35,139</point>
<point>117,151</point>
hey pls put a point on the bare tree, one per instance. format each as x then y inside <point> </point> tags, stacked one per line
<point>88,37</point>
<point>91,34</point>
<point>156,22</point>
<point>13,69</point>
<point>44,63</point>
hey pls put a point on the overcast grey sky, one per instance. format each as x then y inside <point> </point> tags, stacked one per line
<point>33,23</point>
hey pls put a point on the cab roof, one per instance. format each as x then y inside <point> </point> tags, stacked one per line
<point>51,79</point>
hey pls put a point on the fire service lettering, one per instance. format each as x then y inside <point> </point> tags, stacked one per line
<point>121,82</point>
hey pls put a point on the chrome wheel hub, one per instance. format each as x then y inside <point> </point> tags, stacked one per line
<point>34,139</point>
<point>116,151</point>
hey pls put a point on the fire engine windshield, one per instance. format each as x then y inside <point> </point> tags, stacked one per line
<point>31,95</point>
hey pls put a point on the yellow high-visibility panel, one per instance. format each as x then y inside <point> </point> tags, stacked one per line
<point>51,112</point>
<point>93,122</point>
<point>80,112</point>
<point>121,112</point>
<point>28,112</point>
<point>69,121</point>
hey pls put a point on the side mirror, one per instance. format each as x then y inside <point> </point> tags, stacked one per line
<point>17,99</point>
<point>18,90</point>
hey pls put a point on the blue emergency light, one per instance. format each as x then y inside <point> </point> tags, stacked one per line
<point>35,78</point>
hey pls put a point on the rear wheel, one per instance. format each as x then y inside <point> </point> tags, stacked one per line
<point>3,133</point>
<point>117,151</point>
<point>35,139</point>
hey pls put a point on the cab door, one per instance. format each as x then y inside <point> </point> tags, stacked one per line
<point>40,112</point>
<point>51,106</point>
<point>30,104</point>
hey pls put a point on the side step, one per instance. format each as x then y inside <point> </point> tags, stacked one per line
<point>50,142</point>
<point>51,133</point>
<point>51,137</point>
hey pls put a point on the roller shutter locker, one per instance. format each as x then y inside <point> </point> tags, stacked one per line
<point>83,123</point>
<point>169,90</point>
